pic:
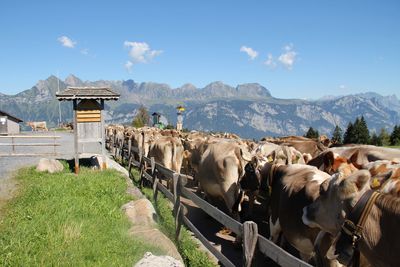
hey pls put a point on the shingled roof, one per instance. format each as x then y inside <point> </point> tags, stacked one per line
<point>3,113</point>
<point>72,93</point>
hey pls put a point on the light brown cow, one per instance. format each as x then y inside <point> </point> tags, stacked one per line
<point>221,167</point>
<point>168,151</point>
<point>37,125</point>
<point>379,239</point>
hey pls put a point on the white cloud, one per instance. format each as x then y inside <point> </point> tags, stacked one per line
<point>67,42</point>
<point>249,51</point>
<point>288,58</point>
<point>128,66</point>
<point>270,62</point>
<point>140,52</point>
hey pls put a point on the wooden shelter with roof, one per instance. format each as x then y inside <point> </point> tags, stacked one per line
<point>9,124</point>
<point>88,106</point>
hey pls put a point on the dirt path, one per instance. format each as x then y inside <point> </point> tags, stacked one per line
<point>225,243</point>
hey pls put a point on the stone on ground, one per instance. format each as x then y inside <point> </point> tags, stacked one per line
<point>150,260</point>
<point>49,165</point>
<point>142,215</point>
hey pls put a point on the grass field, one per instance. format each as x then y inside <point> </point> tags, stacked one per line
<point>68,220</point>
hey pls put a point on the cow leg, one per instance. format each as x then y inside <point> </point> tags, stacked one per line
<point>274,230</point>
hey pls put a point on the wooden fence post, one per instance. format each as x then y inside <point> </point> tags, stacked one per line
<point>250,237</point>
<point>13,146</point>
<point>177,204</point>
<point>129,148</point>
<point>141,172</point>
<point>154,173</point>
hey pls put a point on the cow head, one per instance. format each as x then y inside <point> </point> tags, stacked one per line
<point>337,197</point>
<point>251,179</point>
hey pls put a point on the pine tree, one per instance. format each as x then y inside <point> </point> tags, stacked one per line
<point>349,137</point>
<point>311,133</point>
<point>385,137</point>
<point>142,118</point>
<point>376,140</point>
<point>363,132</point>
<point>337,135</point>
<point>395,136</point>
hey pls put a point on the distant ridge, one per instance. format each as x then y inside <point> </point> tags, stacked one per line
<point>247,109</point>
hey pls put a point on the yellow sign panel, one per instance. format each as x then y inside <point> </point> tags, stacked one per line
<point>88,116</point>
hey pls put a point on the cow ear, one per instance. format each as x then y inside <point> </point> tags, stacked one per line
<point>354,158</point>
<point>354,183</point>
<point>329,159</point>
<point>245,155</point>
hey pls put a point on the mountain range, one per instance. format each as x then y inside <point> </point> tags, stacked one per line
<point>247,109</point>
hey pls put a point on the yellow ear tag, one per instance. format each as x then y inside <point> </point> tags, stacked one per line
<point>375,183</point>
<point>270,159</point>
<point>269,190</point>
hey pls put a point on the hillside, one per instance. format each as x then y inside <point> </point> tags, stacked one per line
<point>248,109</point>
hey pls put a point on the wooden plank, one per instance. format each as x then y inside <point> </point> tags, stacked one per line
<point>218,215</point>
<point>28,154</point>
<point>166,192</point>
<point>30,136</point>
<point>76,147</point>
<point>279,255</point>
<point>90,140</point>
<point>221,257</point>
<point>90,111</point>
<point>88,120</point>
<point>250,234</point>
<point>81,116</point>
<point>29,144</point>
<point>165,171</point>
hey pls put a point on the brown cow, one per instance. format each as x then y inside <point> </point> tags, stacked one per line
<point>292,188</point>
<point>37,125</point>
<point>221,167</point>
<point>168,151</point>
<point>378,242</point>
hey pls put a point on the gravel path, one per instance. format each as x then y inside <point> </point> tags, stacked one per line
<point>9,165</point>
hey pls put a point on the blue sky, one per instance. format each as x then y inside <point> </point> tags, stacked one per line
<point>297,49</point>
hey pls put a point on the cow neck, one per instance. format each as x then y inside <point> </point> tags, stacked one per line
<point>353,226</point>
<point>270,177</point>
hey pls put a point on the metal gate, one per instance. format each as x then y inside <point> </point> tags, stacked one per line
<point>3,125</point>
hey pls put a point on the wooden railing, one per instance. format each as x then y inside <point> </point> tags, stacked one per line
<point>13,144</point>
<point>248,231</point>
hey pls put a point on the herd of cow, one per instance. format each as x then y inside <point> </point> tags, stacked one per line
<point>329,203</point>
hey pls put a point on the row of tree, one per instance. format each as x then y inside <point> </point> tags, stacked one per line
<point>357,133</point>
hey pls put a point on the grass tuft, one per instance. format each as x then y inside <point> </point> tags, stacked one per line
<point>63,220</point>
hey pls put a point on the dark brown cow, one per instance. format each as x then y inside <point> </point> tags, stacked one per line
<point>293,187</point>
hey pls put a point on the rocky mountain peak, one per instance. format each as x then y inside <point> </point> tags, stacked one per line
<point>72,80</point>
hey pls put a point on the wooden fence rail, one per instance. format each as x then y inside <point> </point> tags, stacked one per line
<point>13,145</point>
<point>248,230</point>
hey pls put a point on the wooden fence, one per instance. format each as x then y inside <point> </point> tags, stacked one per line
<point>13,144</point>
<point>248,231</point>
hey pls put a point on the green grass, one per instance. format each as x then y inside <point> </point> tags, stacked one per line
<point>68,220</point>
<point>188,249</point>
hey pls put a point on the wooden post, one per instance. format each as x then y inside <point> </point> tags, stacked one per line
<point>155,179</point>
<point>13,146</point>
<point>76,138</point>
<point>177,204</point>
<point>54,139</point>
<point>129,148</point>
<point>250,237</point>
<point>103,138</point>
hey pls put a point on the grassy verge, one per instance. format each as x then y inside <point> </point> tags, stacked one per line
<point>188,249</point>
<point>68,220</point>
